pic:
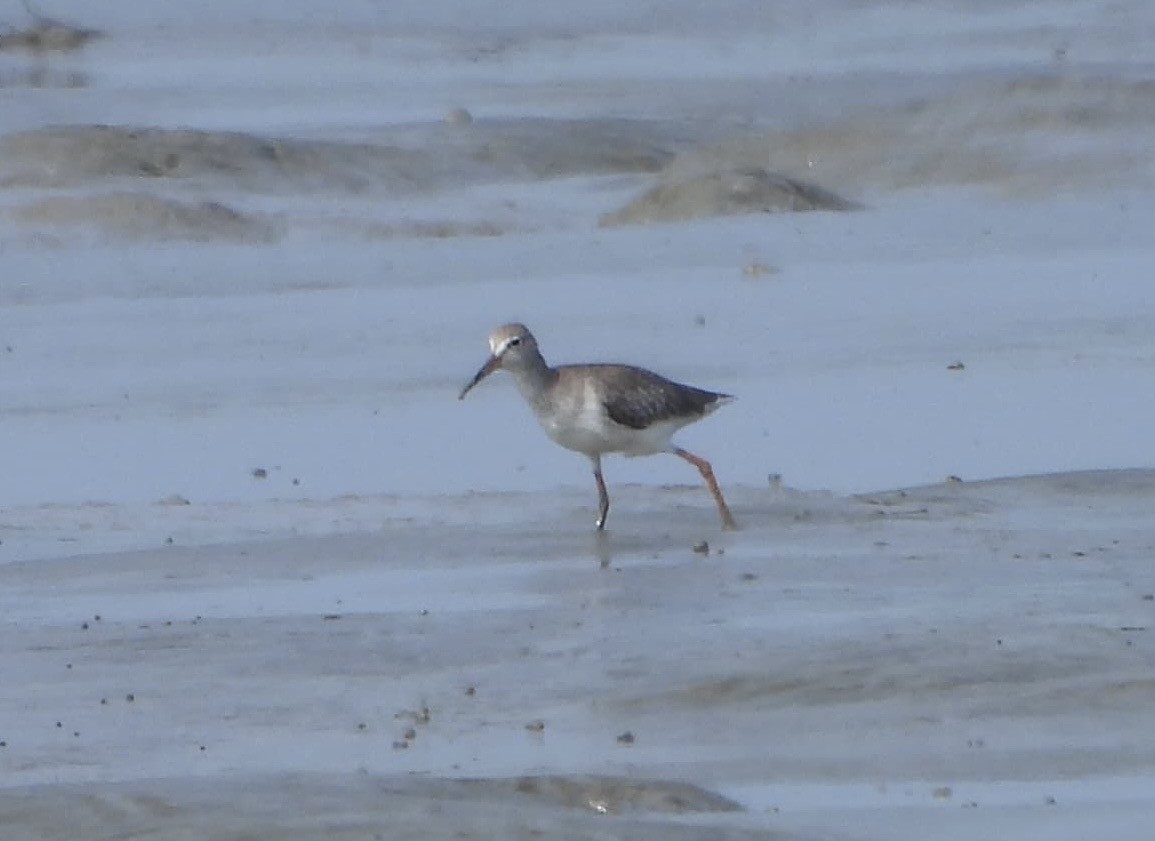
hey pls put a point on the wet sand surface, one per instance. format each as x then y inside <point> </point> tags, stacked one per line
<point>947,658</point>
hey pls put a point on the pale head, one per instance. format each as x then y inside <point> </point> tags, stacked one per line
<point>511,346</point>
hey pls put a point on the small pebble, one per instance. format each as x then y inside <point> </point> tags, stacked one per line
<point>421,716</point>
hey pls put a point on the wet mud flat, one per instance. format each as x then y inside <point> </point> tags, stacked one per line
<point>961,657</point>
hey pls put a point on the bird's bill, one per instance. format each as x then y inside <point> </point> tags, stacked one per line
<point>491,365</point>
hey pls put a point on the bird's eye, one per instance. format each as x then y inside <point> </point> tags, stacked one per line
<point>514,342</point>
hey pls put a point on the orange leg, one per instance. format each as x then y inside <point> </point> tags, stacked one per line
<point>708,474</point>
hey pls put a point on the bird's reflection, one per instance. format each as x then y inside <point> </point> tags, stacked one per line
<point>603,550</point>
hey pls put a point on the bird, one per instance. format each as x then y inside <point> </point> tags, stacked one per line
<point>598,409</point>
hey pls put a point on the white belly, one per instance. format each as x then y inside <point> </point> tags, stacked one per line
<point>590,431</point>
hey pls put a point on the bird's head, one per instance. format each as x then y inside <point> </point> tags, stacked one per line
<point>511,346</point>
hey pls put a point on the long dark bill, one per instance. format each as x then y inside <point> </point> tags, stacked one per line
<point>491,365</point>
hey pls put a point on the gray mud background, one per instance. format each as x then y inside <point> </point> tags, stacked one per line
<point>966,661</point>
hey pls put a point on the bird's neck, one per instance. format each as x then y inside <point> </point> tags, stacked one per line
<point>534,380</point>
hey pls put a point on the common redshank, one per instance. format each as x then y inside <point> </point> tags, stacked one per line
<point>601,409</point>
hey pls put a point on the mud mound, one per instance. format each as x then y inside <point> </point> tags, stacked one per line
<point>73,155</point>
<point>139,216</point>
<point>562,148</point>
<point>335,807</point>
<point>1076,487</point>
<point>726,192</point>
<point>46,35</point>
<point>402,161</point>
<point>610,794</point>
<point>1037,134</point>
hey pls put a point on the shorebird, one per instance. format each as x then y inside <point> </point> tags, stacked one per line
<point>600,409</point>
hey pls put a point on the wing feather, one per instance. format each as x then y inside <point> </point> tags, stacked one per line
<point>637,398</point>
